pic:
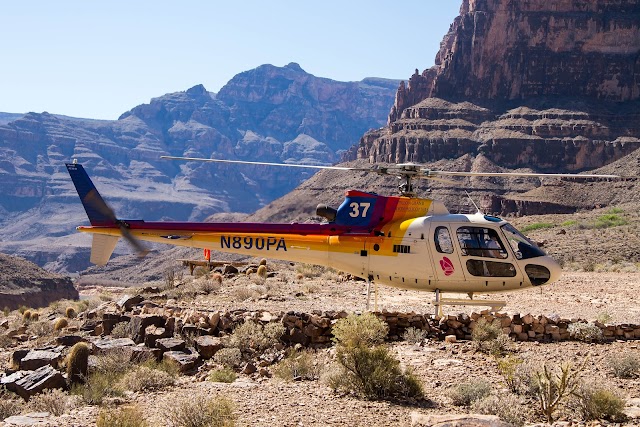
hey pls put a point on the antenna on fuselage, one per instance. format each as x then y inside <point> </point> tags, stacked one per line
<point>472,202</point>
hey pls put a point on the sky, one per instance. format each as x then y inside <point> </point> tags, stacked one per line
<point>99,59</point>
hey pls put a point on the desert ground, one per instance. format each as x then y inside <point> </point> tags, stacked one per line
<point>269,400</point>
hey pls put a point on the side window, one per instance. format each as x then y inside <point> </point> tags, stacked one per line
<point>443,241</point>
<point>481,242</point>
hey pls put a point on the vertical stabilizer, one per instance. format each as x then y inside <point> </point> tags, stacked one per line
<point>98,211</point>
<point>102,248</point>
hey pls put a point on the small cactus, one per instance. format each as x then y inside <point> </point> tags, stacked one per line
<point>78,363</point>
<point>26,316</point>
<point>263,261</point>
<point>262,271</point>
<point>60,323</point>
<point>35,316</point>
<point>70,312</point>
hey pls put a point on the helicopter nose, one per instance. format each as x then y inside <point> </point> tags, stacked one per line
<point>543,270</point>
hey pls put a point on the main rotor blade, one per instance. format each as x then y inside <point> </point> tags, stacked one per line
<point>432,173</point>
<point>244,162</point>
<point>140,249</point>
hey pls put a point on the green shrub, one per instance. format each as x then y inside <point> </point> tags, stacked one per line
<point>144,378</point>
<point>298,365</point>
<point>200,411</point>
<point>569,223</point>
<point>229,357</point>
<point>365,330</point>
<point>609,220</point>
<point>467,393</point>
<point>625,366</point>
<point>586,332</point>
<point>54,401</point>
<point>373,373</point>
<point>78,363</point>
<point>128,416</point>
<point>22,309</point>
<point>507,407</point>
<point>600,404</point>
<point>414,335</point>
<point>536,226</point>
<point>489,338</point>
<point>224,375</point>
<point>6,310</point>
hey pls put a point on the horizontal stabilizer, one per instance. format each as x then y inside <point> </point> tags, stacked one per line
<point>102,248</point>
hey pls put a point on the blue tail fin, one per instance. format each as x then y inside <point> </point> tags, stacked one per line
<point>98,211</point>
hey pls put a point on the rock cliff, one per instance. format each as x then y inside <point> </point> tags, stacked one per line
<point>549,85</point>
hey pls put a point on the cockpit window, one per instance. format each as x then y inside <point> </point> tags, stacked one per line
<point>443,241</point>
<point>522,247</point>
<point>481,242</point>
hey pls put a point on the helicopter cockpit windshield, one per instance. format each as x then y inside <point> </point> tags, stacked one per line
<point>522,247</point>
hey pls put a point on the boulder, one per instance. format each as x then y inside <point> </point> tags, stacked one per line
<point>207,345</point>
<point>106,345</point>
<point>153,333</point>
<point>69,340</point>
<point>35,381</point>
<point>141,354</point>
<point>126,302</point>
<point>184,361</point>
<point>35,359</point>
<point>171,344</point>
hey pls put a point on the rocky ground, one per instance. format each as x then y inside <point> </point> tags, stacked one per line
<point>264,400</point>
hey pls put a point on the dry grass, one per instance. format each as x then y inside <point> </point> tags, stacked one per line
<point>54,401</point>
<point>128,416</point>
<point>201,411</point>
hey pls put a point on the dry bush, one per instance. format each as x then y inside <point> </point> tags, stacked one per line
<point>128,416</point>
<point>122,330</point>
<point>585,332</point>
<point>243,293</point>
<point>625,366</point>
<point>224,375</point>
<point>98,386</point>
<point>228,357</point>
<point>467,393</point>
<point>217,278</point>
<point>9,405</point>
<point>22,309</point>
<point>54,401</point>
<point>414,335</point>
<point>298,365</point>
<point>251,336</point>
<point>599,404</point>
<point>489,338</point>
<point>354,330</point>
<point>507,407</point>
<point>143,378</point>
<point>116,361</point>
<point>200,411</point>
<point>310,270</point>
<point>5,341</point>
<point>554,385</point>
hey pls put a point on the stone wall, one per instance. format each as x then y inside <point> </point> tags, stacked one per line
<point>314,329</point>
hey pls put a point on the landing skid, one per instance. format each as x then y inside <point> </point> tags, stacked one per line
<point>440,301</point>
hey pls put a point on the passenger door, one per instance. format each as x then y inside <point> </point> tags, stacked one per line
<point>446,257</point>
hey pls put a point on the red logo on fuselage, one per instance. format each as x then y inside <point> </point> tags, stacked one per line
<point>447,266</point>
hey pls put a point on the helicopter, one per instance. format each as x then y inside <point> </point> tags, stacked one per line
<point>402,241</point>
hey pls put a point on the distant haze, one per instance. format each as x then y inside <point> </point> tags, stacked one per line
<point>97,59</point>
